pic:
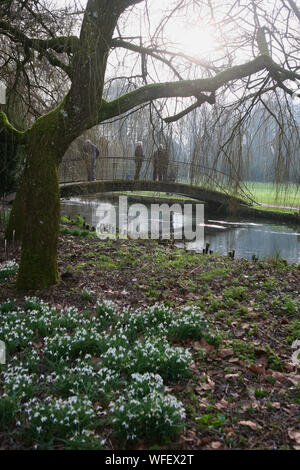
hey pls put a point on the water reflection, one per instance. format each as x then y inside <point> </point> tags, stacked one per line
<point>245,237</point>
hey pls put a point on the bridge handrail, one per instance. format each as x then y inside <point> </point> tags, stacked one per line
<point>175,163</point>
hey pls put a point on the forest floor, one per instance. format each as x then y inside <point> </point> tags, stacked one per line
<point>237,381</point>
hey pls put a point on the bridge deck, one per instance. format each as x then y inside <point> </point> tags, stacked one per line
<point>195,192</point>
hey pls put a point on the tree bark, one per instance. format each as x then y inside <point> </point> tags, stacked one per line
<point>35,215</point>
<point>36,212</point>
<point>40,221</point>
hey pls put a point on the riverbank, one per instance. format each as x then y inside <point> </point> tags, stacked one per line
<point>235,385</point>
<point>277,214</point>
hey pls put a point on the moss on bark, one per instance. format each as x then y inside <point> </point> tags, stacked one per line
<point>38,267</point>
<point>36,212</point>
<point>10,131</point>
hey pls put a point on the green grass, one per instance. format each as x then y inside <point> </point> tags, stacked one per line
<point>157,195</point>
<point>262,193</point>
<point>274,209</point>
<point>268,193</point>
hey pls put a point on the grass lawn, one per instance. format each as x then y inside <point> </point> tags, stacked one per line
<point>274,209</point>
<point>142,345</point>
<point>268,193</point>
<point>156,194</point>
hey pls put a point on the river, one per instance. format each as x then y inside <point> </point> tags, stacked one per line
<point>247,237</point>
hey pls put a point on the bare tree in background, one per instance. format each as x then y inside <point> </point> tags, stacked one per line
<point>35,84</point>
<point>258,56</point>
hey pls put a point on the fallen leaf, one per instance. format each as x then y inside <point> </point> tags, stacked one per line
<point>258,369</point>
<point>226,352</point>
<point>290,366</point>
<point>191,436</point>
<point>278,376</point>
<point>275,404</point>
<point>216,445</point>
<point>229,431</point>
<point>294,435</point>
<point>263,360</point>
<point>253,315</point>
<point>251,424</point>
<point>206,386</point>
<point>239,333</point>
<point>222,404</point>
<point>231,376</point>
<point>207,346</point>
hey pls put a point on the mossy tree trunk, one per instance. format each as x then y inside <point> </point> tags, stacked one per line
<point>38,267</point>
<point>36,213</point>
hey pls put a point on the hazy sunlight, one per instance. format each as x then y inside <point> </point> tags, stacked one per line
<point>198,40</point>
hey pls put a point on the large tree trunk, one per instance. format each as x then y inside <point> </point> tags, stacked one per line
<point>38,266</point>
<point>35,215</point>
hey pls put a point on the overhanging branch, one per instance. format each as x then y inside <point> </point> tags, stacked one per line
<point>188,88</point>
<point>182,88</point>
<point>60,44</point>
<point>63,44</point>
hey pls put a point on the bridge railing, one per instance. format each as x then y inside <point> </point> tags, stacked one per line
<point>123,168</point>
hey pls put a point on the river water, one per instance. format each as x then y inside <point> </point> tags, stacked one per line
<point>247,237</point>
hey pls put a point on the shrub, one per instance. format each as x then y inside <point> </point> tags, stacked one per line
<point>82,341</point>
<point>18,382</point>
<point>58,418</point>
<point>158,356</point>
<point>145,411</point>
<point>83,379</point>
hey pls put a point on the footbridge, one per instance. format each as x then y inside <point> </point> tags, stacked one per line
<point>117,174</point>
<point>209,196</point>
